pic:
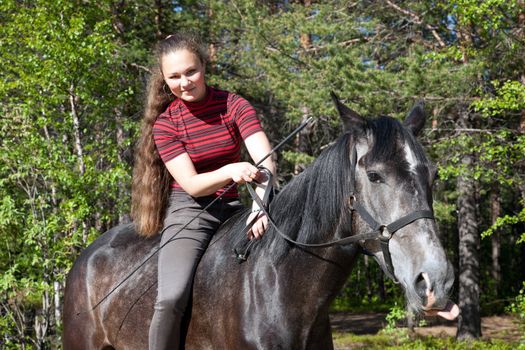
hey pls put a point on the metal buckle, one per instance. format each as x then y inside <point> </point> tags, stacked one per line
<point>351,201</point>
<point>385,233</point>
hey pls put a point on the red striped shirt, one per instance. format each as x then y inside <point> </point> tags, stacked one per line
<point>210,131</point>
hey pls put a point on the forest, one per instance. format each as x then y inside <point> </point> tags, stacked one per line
<point>72,84</point>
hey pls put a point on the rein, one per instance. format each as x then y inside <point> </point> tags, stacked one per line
<point>273,150</point>
<point>381,232</point>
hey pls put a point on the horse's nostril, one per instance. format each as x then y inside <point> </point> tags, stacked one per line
<point>422,285</point>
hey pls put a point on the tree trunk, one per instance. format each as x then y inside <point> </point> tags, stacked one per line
<point>57,292</point>
<point>158,18</point>
<point>495,206</point>
<point>521,129</point>
<point>76,130</point>
<point>73,99</point>
<point>368,280</point>
<point>469,322</point>
<point>302,140</point>
<point>121,135</point>
<point>381,286</point>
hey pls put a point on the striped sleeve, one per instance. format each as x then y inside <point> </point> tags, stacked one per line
<point>245,116</point>
<point>166,140</point>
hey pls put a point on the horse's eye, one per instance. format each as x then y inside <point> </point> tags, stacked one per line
<point>374,177</point>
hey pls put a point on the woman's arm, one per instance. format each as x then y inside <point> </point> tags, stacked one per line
<point>204,184</point>
<point>199,185</point>
<point>258,147</point>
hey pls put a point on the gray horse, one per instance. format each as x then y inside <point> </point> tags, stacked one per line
<point>374,178</point>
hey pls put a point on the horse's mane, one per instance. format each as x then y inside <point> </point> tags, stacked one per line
<point>385,132</point>
<point>312,203</point>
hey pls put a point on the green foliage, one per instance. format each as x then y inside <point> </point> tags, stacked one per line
<point>444,212</point>
<point>73,74</point>
<point>518,308</point>
<point>360,303</point>
<point>396,314</point>
<point>298,158</point>
<point>504,221</point>
<point>510,96</point>
<point>490,15</point>
<point>387,341</point>
<point>65,92</point>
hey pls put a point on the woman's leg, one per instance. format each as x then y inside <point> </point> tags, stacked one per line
<point>177,262</point>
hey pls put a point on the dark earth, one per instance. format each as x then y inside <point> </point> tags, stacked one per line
<point>503,327</point>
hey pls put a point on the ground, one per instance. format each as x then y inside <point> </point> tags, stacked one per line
<point>502,327</point>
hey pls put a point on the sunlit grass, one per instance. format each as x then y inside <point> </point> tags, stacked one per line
<point>400,340</point>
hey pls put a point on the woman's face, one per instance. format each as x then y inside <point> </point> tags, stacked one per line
<point>184,74</point>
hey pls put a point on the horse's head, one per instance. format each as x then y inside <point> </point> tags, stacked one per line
<point>392,181</point>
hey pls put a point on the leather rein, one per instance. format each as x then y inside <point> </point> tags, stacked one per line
<point>381,232</point>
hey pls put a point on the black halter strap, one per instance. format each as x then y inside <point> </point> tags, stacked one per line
<point>381,232</point>
<point>385,232</point>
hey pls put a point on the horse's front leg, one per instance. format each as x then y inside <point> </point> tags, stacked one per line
<point>320,336</point>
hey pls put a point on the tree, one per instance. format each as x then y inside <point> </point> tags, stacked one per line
<point>479,42</point>
<point>62,166</point>
<point>71,83</point>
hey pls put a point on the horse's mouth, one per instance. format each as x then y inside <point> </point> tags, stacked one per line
<point>449,312</point>
<point>445,309</point>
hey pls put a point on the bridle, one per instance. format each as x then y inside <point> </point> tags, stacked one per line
<point>381,232</point>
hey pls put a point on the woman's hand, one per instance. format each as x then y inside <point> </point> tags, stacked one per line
<point>241,172</point>
<point>259,226</point>
<point>257,217</point>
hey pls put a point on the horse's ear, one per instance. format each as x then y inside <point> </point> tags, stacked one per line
<point>416,118</point>
<point>351,119</point>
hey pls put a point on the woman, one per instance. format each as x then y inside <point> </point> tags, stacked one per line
<point>188,155</point>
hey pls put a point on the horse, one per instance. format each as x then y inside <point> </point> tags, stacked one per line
<point>374,174</point>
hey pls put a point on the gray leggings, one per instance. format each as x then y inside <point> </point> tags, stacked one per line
<point>178,260</point>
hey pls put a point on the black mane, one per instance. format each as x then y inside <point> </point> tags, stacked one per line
<point>389,134</point>
<point>312,201</point>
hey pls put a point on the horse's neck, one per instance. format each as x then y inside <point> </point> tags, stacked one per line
<point>318,199</point>
<point>309,279</point>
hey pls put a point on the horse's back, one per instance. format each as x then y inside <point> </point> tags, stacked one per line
<point>99,268</point>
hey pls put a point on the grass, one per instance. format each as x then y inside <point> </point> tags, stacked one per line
<point>401,340</point>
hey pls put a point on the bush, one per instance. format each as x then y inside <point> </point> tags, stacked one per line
<point>518,309</point>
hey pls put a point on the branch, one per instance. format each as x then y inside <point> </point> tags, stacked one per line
<point>342,43</point>
<point>76,130</point>
<point>424,97</point>
<point>468,130</point>
<point>471,130</point>
<point>416,19</point>
<point>140,67</point>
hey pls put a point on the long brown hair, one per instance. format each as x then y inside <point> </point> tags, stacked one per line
<point>151,180</point>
